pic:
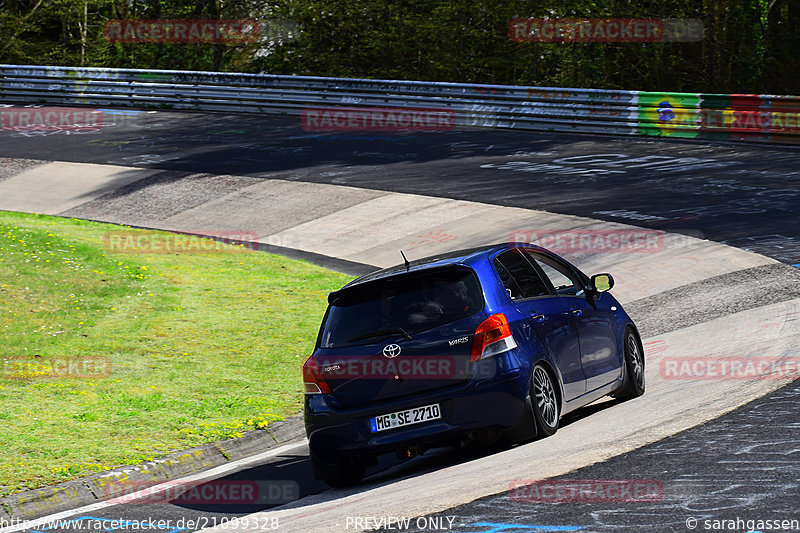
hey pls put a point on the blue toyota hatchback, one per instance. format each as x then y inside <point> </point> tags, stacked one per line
<point>473,345</point>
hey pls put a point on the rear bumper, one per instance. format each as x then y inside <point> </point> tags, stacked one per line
<point>335,433</point>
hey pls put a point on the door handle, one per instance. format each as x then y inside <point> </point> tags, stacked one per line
<point>577,312</point>
<point>537,316</point>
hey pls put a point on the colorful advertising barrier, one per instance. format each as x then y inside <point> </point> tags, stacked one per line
<point>344,104</point>
<point>669,114</point>
<point>729,117</point>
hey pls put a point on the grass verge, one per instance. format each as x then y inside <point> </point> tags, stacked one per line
<point>168,350</point>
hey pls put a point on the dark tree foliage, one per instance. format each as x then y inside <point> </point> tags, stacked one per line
<point>749,46</point>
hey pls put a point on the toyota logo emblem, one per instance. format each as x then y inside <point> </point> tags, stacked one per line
<point>391,351</point>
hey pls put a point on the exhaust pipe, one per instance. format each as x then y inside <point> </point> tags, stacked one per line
<point>409,453</point>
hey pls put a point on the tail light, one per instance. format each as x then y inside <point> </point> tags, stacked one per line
<point>492,336</point>
<point>313,381</point>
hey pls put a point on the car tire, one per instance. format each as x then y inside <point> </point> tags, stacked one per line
<point>345,473</point>
<point>633,384</point>
<point>544,401</point>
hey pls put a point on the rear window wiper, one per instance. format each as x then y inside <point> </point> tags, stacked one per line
<point>381,333</point>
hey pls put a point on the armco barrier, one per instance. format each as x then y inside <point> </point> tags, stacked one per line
<point>711,116</point>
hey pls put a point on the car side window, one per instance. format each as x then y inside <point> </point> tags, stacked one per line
<point>564,280</point>
<point>513,290</point>
<point>519,276</point>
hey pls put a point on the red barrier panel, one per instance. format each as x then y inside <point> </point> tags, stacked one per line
<point>750,117</point>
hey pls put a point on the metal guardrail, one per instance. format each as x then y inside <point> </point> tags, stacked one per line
<point>716,116</point>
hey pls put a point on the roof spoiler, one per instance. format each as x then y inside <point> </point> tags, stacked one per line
<point>332,297</point>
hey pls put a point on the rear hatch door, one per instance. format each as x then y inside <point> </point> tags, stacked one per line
<point>400,336</point>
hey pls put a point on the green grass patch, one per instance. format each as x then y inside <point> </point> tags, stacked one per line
<point>201,346</point>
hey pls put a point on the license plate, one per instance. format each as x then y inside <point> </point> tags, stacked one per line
<point>409,417</point>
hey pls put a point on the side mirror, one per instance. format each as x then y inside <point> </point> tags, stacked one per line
<point>602,282</point>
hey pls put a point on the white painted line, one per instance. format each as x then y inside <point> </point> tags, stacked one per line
<point>155,489</point>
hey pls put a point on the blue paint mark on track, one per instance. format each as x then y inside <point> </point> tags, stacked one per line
<point>121,111</point>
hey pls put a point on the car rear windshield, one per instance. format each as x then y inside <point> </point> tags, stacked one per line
<point>412,303</point>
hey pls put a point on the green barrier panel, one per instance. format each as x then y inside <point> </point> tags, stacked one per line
<point>669,114</point>
<point>715,101</point>
<point>715,116</point>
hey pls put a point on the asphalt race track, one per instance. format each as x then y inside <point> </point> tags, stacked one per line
<point>741,194</point>
<point>742,464</point>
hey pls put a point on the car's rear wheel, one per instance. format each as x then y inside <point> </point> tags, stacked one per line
<point>633,384</point>
<point>344,473</point>
<point>544,402</point>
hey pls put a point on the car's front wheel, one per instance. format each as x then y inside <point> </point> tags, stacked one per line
<point>633,382</point>
<point>544,402</point>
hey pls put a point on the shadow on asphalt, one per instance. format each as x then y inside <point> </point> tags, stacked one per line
<point>296,468</point>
